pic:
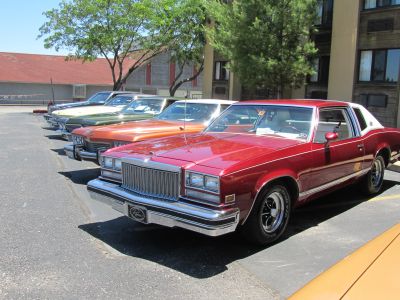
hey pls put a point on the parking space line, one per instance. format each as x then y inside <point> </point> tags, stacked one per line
<point>382,198</point>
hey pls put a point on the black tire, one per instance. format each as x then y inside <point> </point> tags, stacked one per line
<point>262,227</point>
<point>373,181</point>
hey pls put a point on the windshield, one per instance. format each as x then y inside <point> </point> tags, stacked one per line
<point>189,112</point>
<point>120,100</point>
<point>286,121</point>
<point>99,98</point>
<point>145,106</point>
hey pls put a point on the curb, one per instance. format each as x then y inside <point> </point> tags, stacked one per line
<point>395,167</point>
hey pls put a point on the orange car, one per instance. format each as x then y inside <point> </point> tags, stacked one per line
<point>372,272</point>
<point>185,116</point>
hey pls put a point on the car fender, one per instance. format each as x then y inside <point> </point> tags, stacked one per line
<point>266,179</point>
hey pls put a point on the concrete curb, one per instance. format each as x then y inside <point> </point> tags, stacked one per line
<point>395,167</point>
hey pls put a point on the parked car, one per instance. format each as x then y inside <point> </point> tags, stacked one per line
<point>185,116</point>
<point>99,98</point>
<point>114,105</point>
<point>371,272</point>
<point>250,168</point>
<point>141,109</point>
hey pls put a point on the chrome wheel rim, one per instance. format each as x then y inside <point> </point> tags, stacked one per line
<point>272,212</point>
<point>376,173</point>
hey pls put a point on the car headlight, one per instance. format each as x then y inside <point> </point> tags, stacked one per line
<point>117,164</point>
<point>78,140</point>
<point>201,181</point>
<point>111,167</point>
<point>211,183</point>
<point>108,162</point>
<point>121,143</point>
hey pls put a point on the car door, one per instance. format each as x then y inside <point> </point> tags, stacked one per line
<point>340,160</point>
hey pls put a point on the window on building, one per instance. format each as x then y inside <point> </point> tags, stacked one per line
<point>324,12</point>
<point>379,65</point>
<point>371,4</point>
<point>321,68</point>
<point>220,70</point>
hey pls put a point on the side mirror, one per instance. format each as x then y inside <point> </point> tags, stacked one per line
<point>331,136</point>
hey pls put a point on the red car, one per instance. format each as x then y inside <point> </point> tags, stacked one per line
<point>249,168</point>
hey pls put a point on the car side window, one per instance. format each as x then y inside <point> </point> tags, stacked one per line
<point>333,120</point>
<point>360,118</point>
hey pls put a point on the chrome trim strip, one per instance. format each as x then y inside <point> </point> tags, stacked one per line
<point>151,164</point>
<point>332,184</point>
<point>170,214</point>
<point>85,155</point>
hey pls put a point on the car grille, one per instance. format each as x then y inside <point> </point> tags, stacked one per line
<point>151,182</point>
<point>95,147</point>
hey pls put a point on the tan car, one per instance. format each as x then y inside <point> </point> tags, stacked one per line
<point>370,273</point>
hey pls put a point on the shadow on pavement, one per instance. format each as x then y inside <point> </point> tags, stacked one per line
<point>55,137</point>
<point>330,206</point>
<point>59,151</point>
<point>49,128</point>
<point>187,252</point>
<point>82,176</point>
<point>201,256</point>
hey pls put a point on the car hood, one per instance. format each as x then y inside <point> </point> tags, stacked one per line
<point>88,110</point>
<point>69,105</point>
<point>104,119</point>
<point>219,151</point>
<point>135,131</point>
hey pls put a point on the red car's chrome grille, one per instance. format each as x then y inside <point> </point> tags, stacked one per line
<point>151,182</point>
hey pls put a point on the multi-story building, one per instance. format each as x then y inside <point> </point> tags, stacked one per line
<point>358,60</point>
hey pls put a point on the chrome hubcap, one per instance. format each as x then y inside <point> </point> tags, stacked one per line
<point>376,173</point>
<point>272,212</point>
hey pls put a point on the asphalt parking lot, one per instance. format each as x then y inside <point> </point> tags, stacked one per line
<point>58,243</point>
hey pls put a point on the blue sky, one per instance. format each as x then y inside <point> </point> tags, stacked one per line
<point>20,21</point>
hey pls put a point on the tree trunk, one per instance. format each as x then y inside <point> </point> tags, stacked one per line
<point>176,85</point>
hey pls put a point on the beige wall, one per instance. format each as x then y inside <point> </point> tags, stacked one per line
<point>208,71</point>
<point>344,49</point>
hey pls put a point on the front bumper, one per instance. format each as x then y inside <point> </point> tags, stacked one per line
<point>64,134</point>
<point>166,213</point>
<point>50,120</point>
<point>77,153</point>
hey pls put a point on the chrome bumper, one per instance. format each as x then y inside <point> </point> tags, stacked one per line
<point>77,153</point>
<point>170,214</point>
<point>64,134</point>
<point>50,120</point>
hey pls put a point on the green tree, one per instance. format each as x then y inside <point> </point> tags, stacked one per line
<point>187,42</point>
<point>266,41</point>
<point>113,29</point>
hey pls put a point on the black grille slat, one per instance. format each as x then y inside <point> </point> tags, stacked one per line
<point>151,182</point>
<point>94,147</point>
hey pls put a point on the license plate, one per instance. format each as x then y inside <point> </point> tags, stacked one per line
<point>137,213</point>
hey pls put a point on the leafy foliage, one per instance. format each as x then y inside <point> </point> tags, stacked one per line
<point>266,41</point>
<point>188,39</point>
<point>113,29</point>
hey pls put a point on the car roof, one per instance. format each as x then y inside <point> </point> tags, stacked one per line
<point>300,102</point>
<point>208,101</point>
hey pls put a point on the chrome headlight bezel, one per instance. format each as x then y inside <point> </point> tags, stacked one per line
<point>204,182</point>
<point>111,167</point>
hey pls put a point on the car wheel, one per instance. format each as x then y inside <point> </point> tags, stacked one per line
<point>372,182</point>
<point>269,217</point>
